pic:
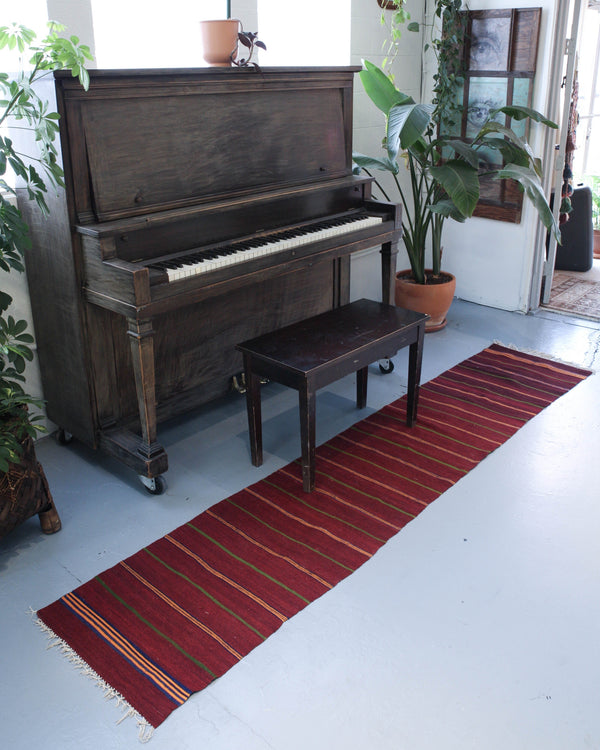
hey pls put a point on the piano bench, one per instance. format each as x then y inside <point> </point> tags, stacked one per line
<point>320,350</point>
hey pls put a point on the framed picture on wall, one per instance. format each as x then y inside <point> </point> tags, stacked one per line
<point>490,43</point>
<point>500,53</point>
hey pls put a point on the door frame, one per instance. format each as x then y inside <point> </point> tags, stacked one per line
<point>558,105</point>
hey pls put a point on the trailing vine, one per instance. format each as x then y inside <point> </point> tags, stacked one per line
<point>447,46</point>
<point>394,21</point>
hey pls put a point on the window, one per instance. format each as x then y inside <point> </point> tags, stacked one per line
<point>153,34</point>
<point>158,34</point>
<point>587,153</point>
<point>32,14</point>
<point>309,33</point>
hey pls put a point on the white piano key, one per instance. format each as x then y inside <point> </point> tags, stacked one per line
<point>305,237</point>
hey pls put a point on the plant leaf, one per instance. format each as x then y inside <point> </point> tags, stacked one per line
<point>467,152</point>
<point>406,124</point>
<point>493,127</point>
<point>461,182</point>
<point>530,182</point>
<point>517,112</point>
<point>370,162</point>
<point>447,209</point>
<point>380,90</point>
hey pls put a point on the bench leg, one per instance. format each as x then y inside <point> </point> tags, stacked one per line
<point>362,376</point>
<point>415,358</point>
<point>307,400</point>
<point>254,412</point>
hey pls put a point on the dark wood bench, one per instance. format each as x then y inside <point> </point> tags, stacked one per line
<point>320,350</point>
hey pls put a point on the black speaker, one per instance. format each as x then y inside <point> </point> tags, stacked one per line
<point>576,253</point>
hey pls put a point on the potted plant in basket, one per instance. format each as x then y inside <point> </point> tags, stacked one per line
<point>23,488</point>
<point>444,171</point>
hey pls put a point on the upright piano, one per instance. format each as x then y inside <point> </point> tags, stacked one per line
<point>202,207</point>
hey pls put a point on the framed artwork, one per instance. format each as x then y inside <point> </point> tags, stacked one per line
<point>484,96</point>
<point>499,56</point>
<point>490,43</point>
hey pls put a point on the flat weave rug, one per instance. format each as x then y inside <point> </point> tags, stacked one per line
<point>575,296</point>
<point>167,621</point>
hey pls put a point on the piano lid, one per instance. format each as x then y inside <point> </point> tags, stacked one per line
<point>152,140</point>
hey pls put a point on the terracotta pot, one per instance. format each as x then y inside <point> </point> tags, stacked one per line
<point>596,243</point>
<point>434,299</point>
<point>220,41</point>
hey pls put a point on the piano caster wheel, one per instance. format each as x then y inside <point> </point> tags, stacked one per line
<point>386,366</point>
<point>154,485</point>
<point>63,437</point>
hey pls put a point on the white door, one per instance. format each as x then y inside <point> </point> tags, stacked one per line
<point>561,83</point>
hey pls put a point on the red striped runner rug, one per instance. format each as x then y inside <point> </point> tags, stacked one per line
<point>167,621</point>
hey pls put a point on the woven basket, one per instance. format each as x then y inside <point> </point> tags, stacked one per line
<point>24,492</point>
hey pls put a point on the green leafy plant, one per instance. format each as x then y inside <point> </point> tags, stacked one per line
<point>448,187</point>
<point>594,182</point>
<point>22,108</point>
<point>447,48</point>
<point>394,18</point>
<point>249,40</point>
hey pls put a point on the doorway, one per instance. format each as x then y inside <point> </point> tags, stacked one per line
<point>575,287</point>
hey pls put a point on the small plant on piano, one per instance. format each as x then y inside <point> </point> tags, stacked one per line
<point>249,40</point>
<point>22,109</point>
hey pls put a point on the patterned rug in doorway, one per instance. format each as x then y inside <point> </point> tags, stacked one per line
<point>575,296</point>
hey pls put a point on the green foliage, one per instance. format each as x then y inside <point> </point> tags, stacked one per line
<point>15,421</point>
<point>22,108</point>
<point>449,187</point>
<point>249,40</point>
<point>394,21</point>
<point>447,47</point>
<point>594,182</point>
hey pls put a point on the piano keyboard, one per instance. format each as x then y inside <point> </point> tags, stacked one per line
<point>227,255</point>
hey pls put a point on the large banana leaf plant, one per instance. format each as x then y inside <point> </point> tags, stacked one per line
<point>445,171</point>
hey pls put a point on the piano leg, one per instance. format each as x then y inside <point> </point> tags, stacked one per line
<point>141,333</point>
<point>389,254</point>
<point>254,411</point>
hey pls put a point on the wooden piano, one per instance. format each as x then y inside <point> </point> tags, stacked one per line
<point>202,207</point>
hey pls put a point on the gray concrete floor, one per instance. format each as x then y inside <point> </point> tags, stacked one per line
<point>477,626</point>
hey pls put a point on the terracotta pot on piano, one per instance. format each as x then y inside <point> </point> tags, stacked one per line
<point>219,41</point>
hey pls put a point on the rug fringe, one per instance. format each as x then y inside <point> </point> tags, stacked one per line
<point>145,730</point>
<point>545,355</point>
